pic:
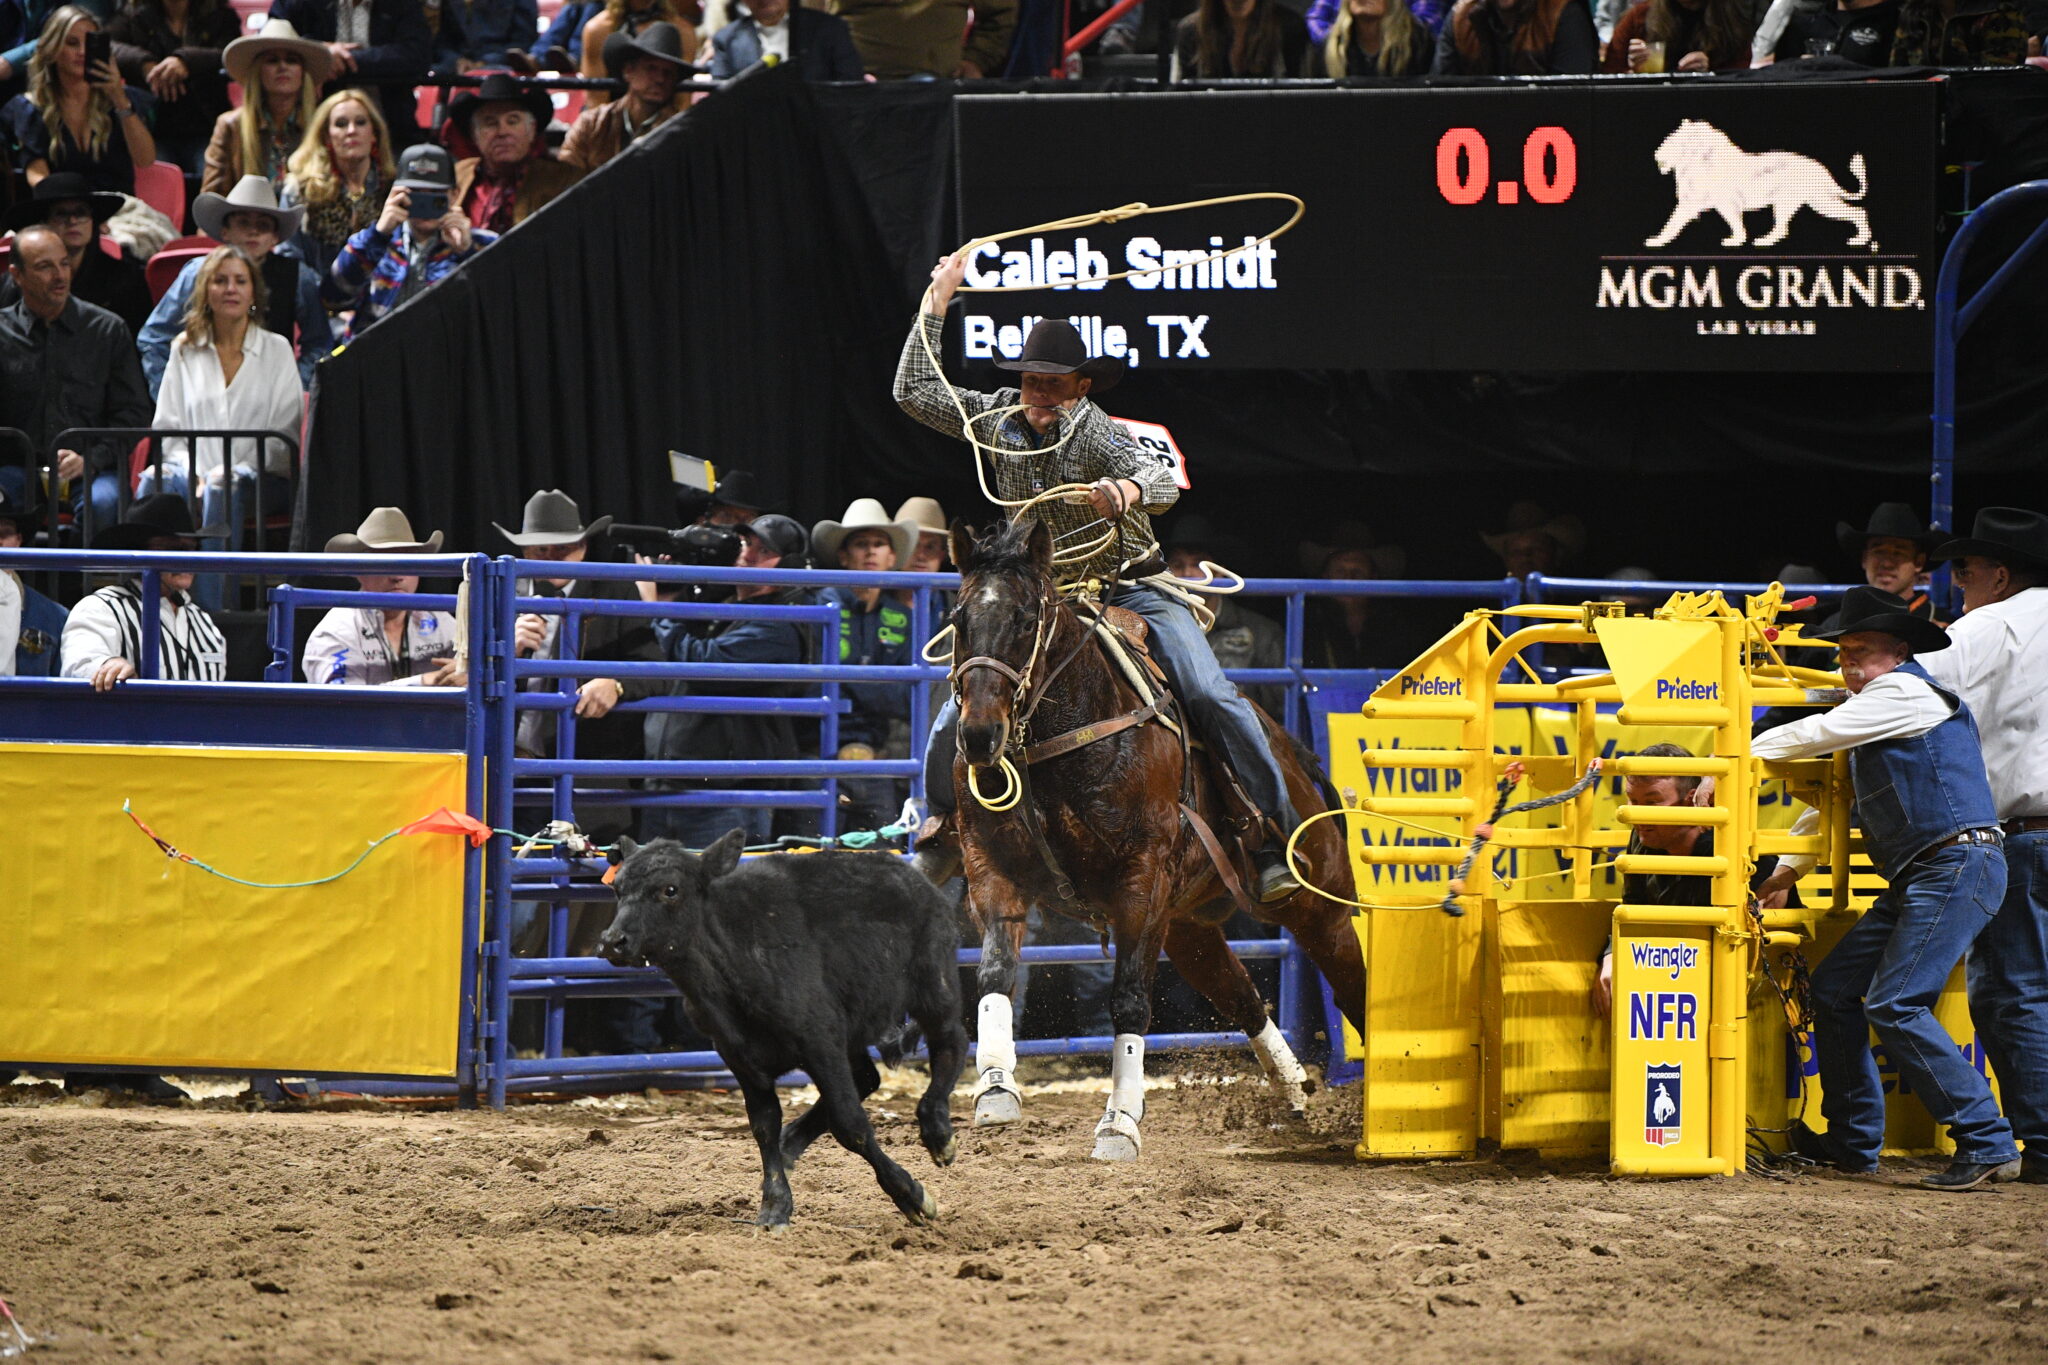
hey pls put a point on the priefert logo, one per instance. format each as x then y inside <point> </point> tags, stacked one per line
<point>1671,689</point>
<point>1431,687</point>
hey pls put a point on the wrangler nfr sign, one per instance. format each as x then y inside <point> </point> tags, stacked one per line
<point>1604,225</point>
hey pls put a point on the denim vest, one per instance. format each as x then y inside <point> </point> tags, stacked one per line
<point>1911,793</point>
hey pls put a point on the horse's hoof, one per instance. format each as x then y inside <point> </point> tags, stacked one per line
<point>1116,1138</point>
<point>996,1106</point>
<point>775,1224</point>
<point>944,1156</point>
<point>926,1212</point>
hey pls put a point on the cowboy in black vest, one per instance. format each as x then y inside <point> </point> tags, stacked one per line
<point>1926,812</point>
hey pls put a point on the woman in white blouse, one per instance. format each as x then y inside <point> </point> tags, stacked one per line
<point>226,371</point>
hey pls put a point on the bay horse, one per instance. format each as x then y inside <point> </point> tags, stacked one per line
<point>1099,828</point>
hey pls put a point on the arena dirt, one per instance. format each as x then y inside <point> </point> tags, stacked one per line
<point>622,1230</point>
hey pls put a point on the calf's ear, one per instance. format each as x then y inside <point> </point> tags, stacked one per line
<point>723,856</point>
<point>626,849</point>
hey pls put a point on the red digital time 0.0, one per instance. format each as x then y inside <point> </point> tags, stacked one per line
<point>1464,168</point>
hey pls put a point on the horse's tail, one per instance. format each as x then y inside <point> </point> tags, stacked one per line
<point>1862,180</point>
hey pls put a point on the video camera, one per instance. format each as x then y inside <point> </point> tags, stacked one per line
<point>704,547</point>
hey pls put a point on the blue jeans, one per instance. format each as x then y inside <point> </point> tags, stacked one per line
<point>2008,979</point>
<point>1219,711</point>
<point>1886,974</point>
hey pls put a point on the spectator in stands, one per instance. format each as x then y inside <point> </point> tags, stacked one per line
<point>76,212</point>
<point>1684,841</point>
<point>21,23</point>
<point>1892,552</point>
<point>72,119</point>
<point>383,44</point>
<point>1352,631</point>
<point>1374,38</point>
<point>47,335</point>
<point>561,47</point>
<point>228,372</point>
<point>552,529</point>
<point>103,638</point>
<point>486,33</point>
<point>1693,35</point>
<point>514,175</point>
<point>373,647</point>
<point>249,218</point>
<point>630,17</point>
<point>931,39</point>
<point>339,176</point>
<point>280,74</point>
<point>652,66</point>
<point>770,542</point>
<point>1241,637</point>
<point>819,43</point>
<point>1518,38</point>
<point>174,48</point>
<point>1242,38</point>
<point>398,256</point>
<point>1853,30</point>
<point>929,554</point>
<point>736,500</point>
<point>1322,17</point>
<point>874,628</point>
<point>1960,33</point>
<point>31,625</point>
<point>1536,542</point>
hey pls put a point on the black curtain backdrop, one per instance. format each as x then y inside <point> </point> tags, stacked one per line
<point>737,287</point>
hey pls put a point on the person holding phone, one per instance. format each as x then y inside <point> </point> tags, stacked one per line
<point>416,242</point>
<point>77,115</point>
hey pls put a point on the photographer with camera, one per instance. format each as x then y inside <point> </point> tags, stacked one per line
<point>416,242</point>
<point>766,542</point>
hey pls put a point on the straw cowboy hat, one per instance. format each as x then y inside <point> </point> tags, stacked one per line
<point>552,518</point>
<point>251,194</point>
<point>1054,347</point>
<point>1568,532</point>
<point>865,514</point>
<point>501,87</point>
<point>56,187</point>
<point>164,514</point>
<point>1891,521</point>
<point>276,35</point>
<point>1873,609</point>
<point>1388,561</point>
<point>387,531</point>
<point>661,41</point>
<point>2011,535</point>
<point>925,514</point>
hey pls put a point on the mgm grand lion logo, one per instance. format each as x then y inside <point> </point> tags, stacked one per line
<point>1713,175</point>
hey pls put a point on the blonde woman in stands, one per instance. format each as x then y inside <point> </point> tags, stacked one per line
<point>629,17</point>
<point>280,74</point>
<point>1374,38</point>
<point>73,119</point>
<point>340,175</point>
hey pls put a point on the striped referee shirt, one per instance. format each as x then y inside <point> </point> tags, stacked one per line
<point>1100,449</point>
<point>108,624</point>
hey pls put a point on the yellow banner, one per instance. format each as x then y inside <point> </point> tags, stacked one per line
<point>112,954</point>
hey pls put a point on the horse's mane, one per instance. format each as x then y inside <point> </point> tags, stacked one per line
<point>1008,551</point>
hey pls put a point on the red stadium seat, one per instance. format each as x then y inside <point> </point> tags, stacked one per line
<point>161,270</point>
<point>568,103</point>
<point>161,185</point>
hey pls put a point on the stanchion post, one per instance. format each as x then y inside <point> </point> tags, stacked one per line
<point>475,747</point>
<point>498,1024</point>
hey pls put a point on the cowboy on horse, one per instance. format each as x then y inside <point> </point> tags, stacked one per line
<point>1060,437</point>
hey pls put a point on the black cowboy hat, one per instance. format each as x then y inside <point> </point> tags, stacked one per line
<point>1873,609</point>
<point>502,87</point>
<point>1890,521</point>
<point>61,185</point>
<point>164,514</point>
<point>661,41</point>
<point>552,518</point>
<point>2010,535</point>
<point>1054,347</point>
<point>739,488</point>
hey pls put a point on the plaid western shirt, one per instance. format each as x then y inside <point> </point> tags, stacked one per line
<point>1100,449</point>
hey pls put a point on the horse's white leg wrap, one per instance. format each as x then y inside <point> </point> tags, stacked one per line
<point>1116,1137</point>
<point>997,1099</point>
<point>1277,1060</point>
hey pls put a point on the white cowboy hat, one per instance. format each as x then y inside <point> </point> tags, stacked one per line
<point>865,514</point>
<point>387,530</point>
<point>925,514</point>
<point>251,194</point>
<point>239,57</point>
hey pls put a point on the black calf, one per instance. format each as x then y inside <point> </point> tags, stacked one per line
<point>800,962</point>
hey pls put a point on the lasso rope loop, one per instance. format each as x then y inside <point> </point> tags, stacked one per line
<point>1074,554</point>
<point>1501,811</point>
